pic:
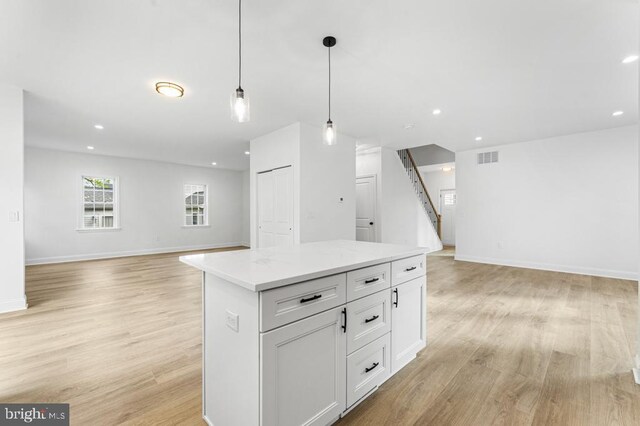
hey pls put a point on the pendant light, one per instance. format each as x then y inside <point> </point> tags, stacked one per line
<point>329,134</point>
<point>239,100</point>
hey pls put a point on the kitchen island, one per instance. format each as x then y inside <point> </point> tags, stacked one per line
<point>301,334</point>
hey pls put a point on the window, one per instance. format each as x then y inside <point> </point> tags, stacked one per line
<point>195,204</point>
<point>449,198</point>
<point>99,198</point>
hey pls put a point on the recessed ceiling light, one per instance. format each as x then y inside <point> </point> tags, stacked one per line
<point>90,148</point>
<point>446,169</point>
<point>98,126</point>
<point>214,163</point>
<point>409,126</point>
<point>629,59</point>
<point>436,112</point>
<point>478,138</point>
<point>169,89</point>
<point>617,113</point>
<point>247,153</point>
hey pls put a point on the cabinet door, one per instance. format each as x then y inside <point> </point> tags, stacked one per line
<point>408,321</point>
<point>303,371</point>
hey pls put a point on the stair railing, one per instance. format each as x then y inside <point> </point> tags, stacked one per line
<point>421,189</point>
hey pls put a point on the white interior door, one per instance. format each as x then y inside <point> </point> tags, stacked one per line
<point>448,212</point>
<point>366,208</point>
<point>275,207</point>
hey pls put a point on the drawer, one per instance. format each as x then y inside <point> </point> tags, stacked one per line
<point>368,319</point>
<point>283,305</point>
<point>366,281</point>
<point>404,270</point>
<point>367,368</point>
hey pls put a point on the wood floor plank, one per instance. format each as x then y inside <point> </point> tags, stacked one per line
<point>120,340</point>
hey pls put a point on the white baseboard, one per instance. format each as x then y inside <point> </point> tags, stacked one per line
<point>94,256</point>
<point>607,273</point>
<point>636,370</point>
<point>13,305</point>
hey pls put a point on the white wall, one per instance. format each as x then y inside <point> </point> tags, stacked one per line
<point>567,203</point>
<point>12,293</point>
<point>436,181</point>
<point>327,173</point>
<point>401,218</point>
<point>404,220</point>
<point>151,207</point>
<point>321,175</point>
<point>246,203</point>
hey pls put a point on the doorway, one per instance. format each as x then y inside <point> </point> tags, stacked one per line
<point>275,207</point>
<point>448,212</point>
<point>366,199</point>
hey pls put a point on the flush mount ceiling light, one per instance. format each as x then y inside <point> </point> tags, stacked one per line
<point>617,113</point>
<point>247,153</point>
<point>214,164</point>
<point>239,100</point>
<point>98,126</point>
<point>436,112</point>
<point>90,148</point>
<point>171,90</point>
<point>629,59</point>
<point>446,169</point>
<point>478,138</point>
<point>329,135</point>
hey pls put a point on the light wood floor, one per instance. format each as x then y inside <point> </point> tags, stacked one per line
<point>120,341</point>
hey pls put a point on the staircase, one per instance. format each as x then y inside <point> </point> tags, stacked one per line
<point>421,190</point>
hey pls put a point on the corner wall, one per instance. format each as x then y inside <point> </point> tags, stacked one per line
<point>567,204</point>
<point>12,290</point>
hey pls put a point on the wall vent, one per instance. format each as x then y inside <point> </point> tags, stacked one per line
<point>488,157</point>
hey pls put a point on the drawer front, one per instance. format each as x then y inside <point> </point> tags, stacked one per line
<point>366,281</point>
<point>404,270</point>
<point>284,305</point>
<point>368,319</point>
<point>367,368</point>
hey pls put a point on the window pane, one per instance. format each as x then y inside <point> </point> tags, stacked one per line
<point>108,196</point>
<point>99,196</point>
<point>201,199</point>
<point>108,221</point>
<point>89,222</point>
<point>89,209</point>
<point>88,195</point>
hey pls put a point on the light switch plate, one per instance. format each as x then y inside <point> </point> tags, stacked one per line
<point>14,216</point>
<point>232,320</point>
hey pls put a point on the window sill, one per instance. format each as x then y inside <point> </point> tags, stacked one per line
<point>195,226</point>
<point>98,229</point>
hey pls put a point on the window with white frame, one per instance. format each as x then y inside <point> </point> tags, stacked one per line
<point>99,203</point>
<point>195,204</point>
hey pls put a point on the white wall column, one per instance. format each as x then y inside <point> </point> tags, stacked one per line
<point>12,290</point>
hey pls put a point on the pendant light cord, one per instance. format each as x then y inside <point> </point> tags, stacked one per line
<point>239,43</point>
<point>329,83</point>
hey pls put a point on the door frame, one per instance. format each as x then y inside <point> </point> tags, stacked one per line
<point>376,219</point>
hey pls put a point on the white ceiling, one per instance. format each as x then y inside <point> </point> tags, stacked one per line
<point>507,70</point>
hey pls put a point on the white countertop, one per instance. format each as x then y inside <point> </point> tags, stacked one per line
<point>263,269</point>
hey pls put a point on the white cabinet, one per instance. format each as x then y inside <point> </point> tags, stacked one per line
<point>367,368</point>
<point>303,371</point>
<point>308,350</point>
<point>408,321</point>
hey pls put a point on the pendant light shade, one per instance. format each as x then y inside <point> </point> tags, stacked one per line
<point>240,110</point>
<point>329,134</point>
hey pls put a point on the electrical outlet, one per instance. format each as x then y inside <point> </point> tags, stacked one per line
<point>232,320</point>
